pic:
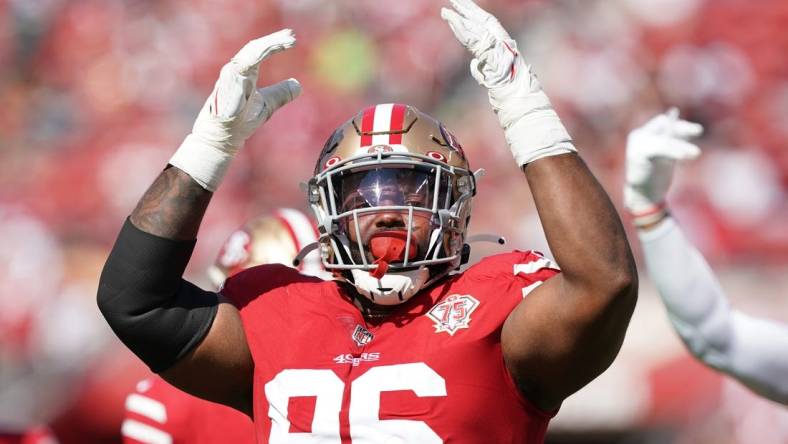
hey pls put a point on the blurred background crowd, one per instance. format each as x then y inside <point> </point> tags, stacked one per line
<point>95,95</point>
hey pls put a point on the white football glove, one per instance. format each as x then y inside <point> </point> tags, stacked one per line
<point>532,128</point>
<point>652,151</point>
<point>234,110</point>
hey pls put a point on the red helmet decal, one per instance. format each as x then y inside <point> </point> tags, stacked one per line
<point>331,162</point>
<point>436,155</point>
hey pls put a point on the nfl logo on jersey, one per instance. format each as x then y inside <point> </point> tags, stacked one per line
<point>362,336</point>
<point>453,313</point>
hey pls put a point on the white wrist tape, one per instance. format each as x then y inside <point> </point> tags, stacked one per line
<point>204,163</point>
<point>531,125</point>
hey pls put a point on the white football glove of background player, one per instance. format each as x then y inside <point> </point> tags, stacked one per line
<point>652,151</point>
<point>532,128</point>
<point>234,110</point>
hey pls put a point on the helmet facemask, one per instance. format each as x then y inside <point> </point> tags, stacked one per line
<point>391,219</point>
<point>374,201</point>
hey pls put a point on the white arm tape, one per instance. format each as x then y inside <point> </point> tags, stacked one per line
<point>532,128</point>
<point>205,164</point>
<point>537,135</point>
<point>754,351</point>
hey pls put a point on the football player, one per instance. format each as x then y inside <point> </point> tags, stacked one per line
<point>752,350</point>
<point>157,412</point>
<point>397,348</point>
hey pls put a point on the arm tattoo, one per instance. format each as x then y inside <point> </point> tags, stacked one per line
<point>172,207</point>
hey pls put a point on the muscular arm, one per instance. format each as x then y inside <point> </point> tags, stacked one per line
<point>754,351</point>
<point>173,206</point>
<point>219,367</point>
<point>193,338</point>
<point>569,330</point>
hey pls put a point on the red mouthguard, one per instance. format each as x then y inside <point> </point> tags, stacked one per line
<point>387,246</point>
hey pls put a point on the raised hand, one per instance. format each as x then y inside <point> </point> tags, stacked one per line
<point>532,128</point>
<point>234,110</point>
<point>495,56</point>
<point>652,151</point>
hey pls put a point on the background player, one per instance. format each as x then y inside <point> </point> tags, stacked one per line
<point>157,412</point>
<point>553,335</point>
<point>752,350</point>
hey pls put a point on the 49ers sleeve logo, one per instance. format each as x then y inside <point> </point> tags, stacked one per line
<point>453,313</point>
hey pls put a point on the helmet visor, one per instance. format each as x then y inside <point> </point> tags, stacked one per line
<point>392,187</point>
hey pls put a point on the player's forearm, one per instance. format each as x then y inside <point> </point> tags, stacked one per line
<point>757,356</point>
<point>172,207</point>
<point>749,349</point>
<point>590,302</point>
<point>692,295</point>
<point>582,227</point>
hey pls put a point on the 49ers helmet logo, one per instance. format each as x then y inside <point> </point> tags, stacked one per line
<point>453,313</point>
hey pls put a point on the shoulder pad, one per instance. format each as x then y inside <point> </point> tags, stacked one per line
<point>247,285</point>
<point>511,264</point>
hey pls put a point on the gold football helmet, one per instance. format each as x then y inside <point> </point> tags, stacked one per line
<point>274,238</point>
<point>393,159</point>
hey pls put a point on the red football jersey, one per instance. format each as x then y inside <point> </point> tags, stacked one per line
<point>431,372</point>
<point>158,413</point>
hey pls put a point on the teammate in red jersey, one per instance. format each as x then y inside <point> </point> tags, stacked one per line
<point>399,347</point>
<point>157,412</point>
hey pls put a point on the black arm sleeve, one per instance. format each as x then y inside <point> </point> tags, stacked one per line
<point>150,307</point>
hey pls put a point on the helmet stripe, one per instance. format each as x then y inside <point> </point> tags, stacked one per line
<point>300,227</point>
<point>397,121</point>
<point>302,232</point>
<point>367,125</point>
<point>382,124</point>
<point>379,121</point>
<point>289,229</point>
